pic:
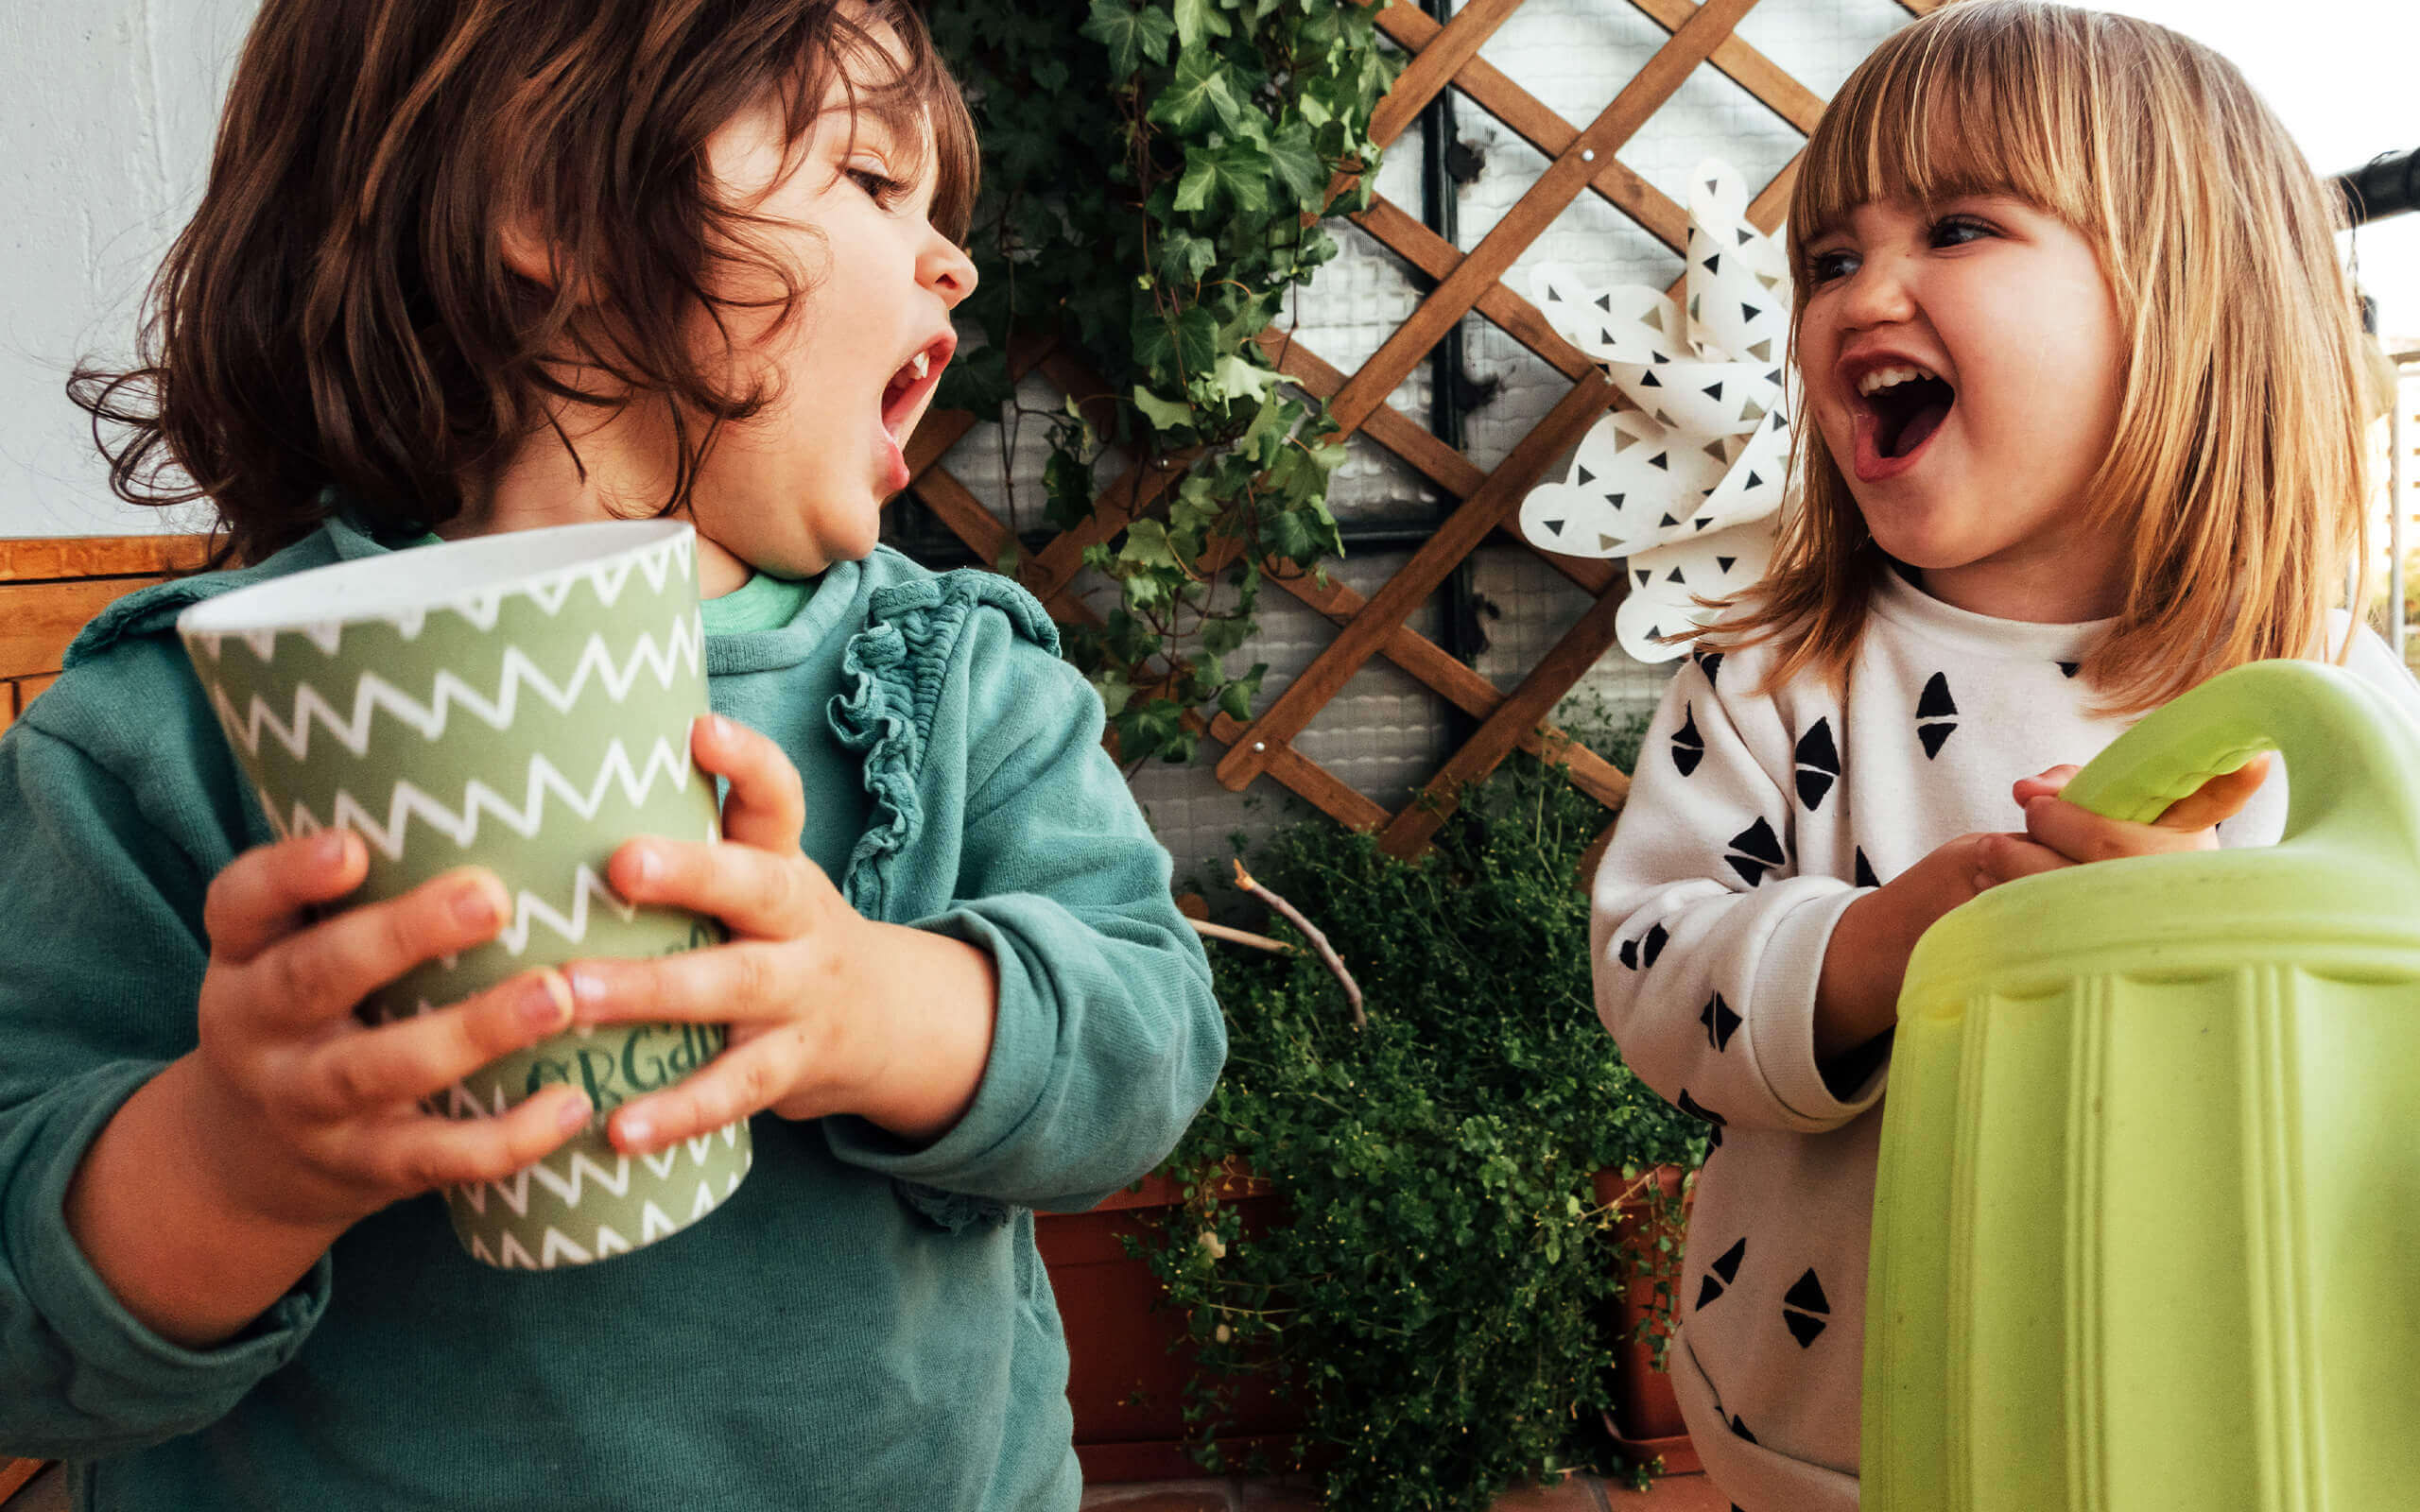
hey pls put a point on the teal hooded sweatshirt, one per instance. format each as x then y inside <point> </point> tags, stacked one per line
<point>864,1325</point>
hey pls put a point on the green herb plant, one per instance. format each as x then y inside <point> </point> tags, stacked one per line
<point>1440,1293</point>
<point>1156,171</point>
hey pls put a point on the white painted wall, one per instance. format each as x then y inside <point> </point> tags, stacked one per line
<point>107,110</point>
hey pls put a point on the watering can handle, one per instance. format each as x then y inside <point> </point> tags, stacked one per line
<point>2354,756</point>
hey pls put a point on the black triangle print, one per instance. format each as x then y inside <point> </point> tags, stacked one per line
<point>1762,351</point>
<point>1727,1264</point>
<point>1815,749</point>
<point>1552,298</point>
<point>1714,264</point>
<point>1702,522</point>
<point>1583,478</point>
<point>1758,840</point>
<point>1753,481</point>
<point>1688,746</point>
<point>1668,521</point>
<point>1774,377</point>
<point>1615,500</point>
<point>1605,301</point>
<point>1555,525</point>
<point>1648,380</point>
<point>1750,311</point>
<point>1741,1428</point>
<point>1655,632</point>
<point>1674,576</point>
<point>1651,945</point>
<point>1713,1120</point>
<point>1865,877</point>
<point>1723,563</point>
<point>2068,669</point>
<point>1812,788</point>
<point>1710,663</point>
<point>1604,335</point>
<point>1932,735</point>
<point>1759,852</point>
<point>1714,186</point>
<point>1606,544</point>
<point>1657,356</point>
<point>1719,1021</point>
<point>1745,234</point>
<point>1708,1289</point>
<point>1664,419</point>
<point>1807,1293</point>
<point>1936,702</point>
<point>1802,1328</point>
<point>1660,459</point>
<point>1643,576</point>
<point>1714,390</point>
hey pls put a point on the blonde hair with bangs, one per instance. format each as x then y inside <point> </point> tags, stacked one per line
<point>2238,449</point>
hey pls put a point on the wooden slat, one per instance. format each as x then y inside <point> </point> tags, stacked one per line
<point>37,619</point>
<point>53,558</point>
<point>1496,501</point>
<point>1750,69</point>
<point>957,507</point>
<point>1408,832</point>
<point>1440,464</point>
<point>1555,189</point>
<point>14,1474</point>
<point>1438,258</point>
<point>1536,123</point>
<point>1437,57</point>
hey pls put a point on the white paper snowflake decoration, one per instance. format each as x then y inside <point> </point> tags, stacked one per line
<point>1688,485</point>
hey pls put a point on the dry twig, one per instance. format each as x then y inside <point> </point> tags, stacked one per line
<point>1310,932</point>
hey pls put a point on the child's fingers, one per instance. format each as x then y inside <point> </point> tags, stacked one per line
<point>317,977</point>
<point>2221,797</point>
<point>760,893</point>
<point>416,1057</point>
<point>266,893</point>
<point>2000,858</point>
<point>2048,784</point>
<point>744,1079</point>
<point>417,1155</point>
<point>753,981</point>
<point>767,804</point>
<point>2081,834</point>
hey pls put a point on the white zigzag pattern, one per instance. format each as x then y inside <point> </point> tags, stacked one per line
<point>684,647</point>
<point>516,1195</point>
<point>481,609</point>
<point>462,827</point>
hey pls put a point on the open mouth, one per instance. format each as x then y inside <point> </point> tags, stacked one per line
<point>905,395</point>
<point>1908,405</point>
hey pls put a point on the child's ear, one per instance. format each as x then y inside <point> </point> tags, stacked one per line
<point>540,259</point>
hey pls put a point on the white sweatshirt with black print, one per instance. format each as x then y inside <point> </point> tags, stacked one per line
<point>1753,823</point>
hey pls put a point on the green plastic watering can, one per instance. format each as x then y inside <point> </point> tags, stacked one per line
<point>2147,1223</point>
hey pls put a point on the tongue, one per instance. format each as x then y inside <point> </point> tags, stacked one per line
<point>1919,428</point>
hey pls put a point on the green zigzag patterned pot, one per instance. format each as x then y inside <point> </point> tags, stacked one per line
<point>521,702</point>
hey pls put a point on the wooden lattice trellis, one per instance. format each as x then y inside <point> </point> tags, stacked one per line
<point>1580,159</point>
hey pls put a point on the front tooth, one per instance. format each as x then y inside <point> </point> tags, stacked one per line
<point>922,364</point>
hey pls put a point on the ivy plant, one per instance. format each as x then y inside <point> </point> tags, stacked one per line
<point>1156,173</point>
<point>1439,1293</point>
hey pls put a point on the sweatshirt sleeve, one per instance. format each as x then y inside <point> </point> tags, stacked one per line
<point>102,955</point>
<point>1707,941</point>
<point>1107,1039</point>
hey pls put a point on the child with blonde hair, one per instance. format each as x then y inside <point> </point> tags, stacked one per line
<point>2081,427</point>
<point>464,267</point>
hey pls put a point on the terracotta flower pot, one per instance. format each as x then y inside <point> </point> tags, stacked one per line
<point>1644,1421</point>
<point>1126,1366</point>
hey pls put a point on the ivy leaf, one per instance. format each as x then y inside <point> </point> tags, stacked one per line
<point>1268,431</point>
<point>1296,164</point>
<point>1235,172</point>
<point>1196,18</point>
<point>1163,414</point>
<point>1197,96</point>
<point>1131,36</point>
<point>1239,379</point>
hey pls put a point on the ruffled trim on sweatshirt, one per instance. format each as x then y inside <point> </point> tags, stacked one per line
<point>895,668</point>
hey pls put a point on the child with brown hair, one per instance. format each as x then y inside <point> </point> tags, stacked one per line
<point>2081,427</point>
<point>464,268</point>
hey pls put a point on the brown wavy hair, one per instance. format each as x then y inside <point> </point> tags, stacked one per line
<point>341,310</point>
<point>2238,459</point>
